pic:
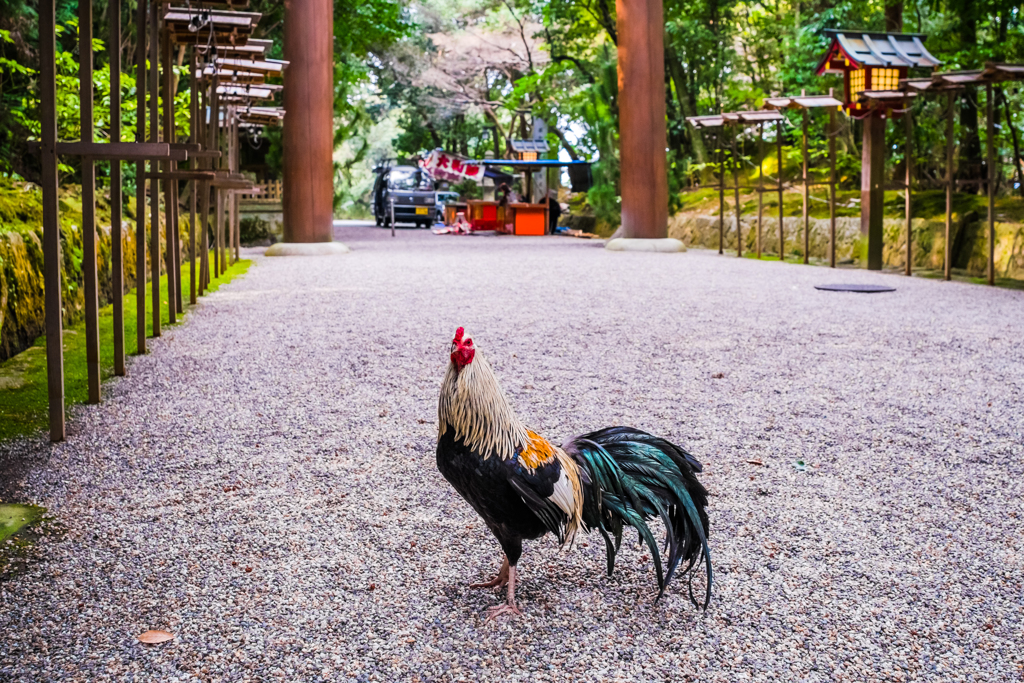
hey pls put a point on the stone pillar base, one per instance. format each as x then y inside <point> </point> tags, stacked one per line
<point>306,249</point>
<point>666,244</point>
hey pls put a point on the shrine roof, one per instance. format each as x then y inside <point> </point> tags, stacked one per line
<point>954,80</point>
<point>730,117</point>
<point>711,121</point>
<point>802,102</point>
<point>869,48</point>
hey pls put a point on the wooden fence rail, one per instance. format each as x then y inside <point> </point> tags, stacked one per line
<point>212,132</point>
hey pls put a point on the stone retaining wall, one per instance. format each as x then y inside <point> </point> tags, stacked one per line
<point>22,315</point>
<point>969,243</point>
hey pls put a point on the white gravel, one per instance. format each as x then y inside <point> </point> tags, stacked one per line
<point>288,426</point>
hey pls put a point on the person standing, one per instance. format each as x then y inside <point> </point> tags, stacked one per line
<point>554,211</point>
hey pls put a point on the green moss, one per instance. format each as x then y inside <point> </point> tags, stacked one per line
<point>21,259</point>
<point>14,517</point>
<point>21,526</point>
<point>23,395</point>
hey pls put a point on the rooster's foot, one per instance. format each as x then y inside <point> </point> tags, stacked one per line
<point>507,608</point>
<point>510,604</point>
<point>500,580</point>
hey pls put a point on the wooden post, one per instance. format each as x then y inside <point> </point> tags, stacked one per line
<point>782,213</point>
<point>308,146</point>
<point>51,224</point>
<point>176,239</point>
<point>990,123</point>
<point>140,181</point>
<point>116,236</point>
<point>154,188</point>
<point>833,132</point>
<point>871,191</point>
<point>229,218</point>
<point>237,208</point>
<point>218,194</point>
<point>807,192</point>
<point>238,227</point>
<point>193,137</point>
<point>233,197</point>
<point>721,189</point>
<point>948,266</point>
<point>204,207</point>
<point>760,184</point>
<point>219,203</point>
<point>167,98</point>
<point>204,227</point>
<point>89,265</point>
<point>909,154</point>
<point>736,191</point>
<point>192,242</point>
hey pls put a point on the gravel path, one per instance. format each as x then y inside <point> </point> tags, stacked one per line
<point>263,483</point>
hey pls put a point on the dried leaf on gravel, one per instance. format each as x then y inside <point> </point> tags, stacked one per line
<point>155,637</point>
<point>755,462</point>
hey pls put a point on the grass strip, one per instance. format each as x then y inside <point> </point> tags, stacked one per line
<point>23,397</point>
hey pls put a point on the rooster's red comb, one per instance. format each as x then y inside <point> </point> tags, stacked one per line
<point>458,335</point>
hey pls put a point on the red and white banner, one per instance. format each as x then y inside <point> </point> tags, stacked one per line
<point>445,166</point>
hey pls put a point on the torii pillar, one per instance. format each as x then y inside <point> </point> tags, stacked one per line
<point>642,134</point>
<point>308,129</point>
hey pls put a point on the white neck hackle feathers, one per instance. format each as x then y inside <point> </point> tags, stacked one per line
<point>473,404</point>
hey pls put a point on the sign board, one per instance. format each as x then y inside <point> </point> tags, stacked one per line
<point>540,129</point>
<point>445,166</point>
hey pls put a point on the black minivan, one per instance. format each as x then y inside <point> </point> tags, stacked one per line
<point>411,189</point>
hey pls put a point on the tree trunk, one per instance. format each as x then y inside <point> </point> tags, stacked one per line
<point>499,131</point>
<point>1016,144</point>
<point>565,144</point>
<point>894,16</point>
<point>970,143</point>
<point>676,136</point>
<point>460,131</point>
<point>678,73</point>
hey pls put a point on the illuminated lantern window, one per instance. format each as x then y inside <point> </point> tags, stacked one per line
<point>885,79</point>
<point>857,82</point>
<point>529,156</point>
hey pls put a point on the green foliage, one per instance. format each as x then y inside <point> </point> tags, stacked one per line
<point>601,115</point>
<point>468,75</point>
<point>19,103</point>
<point>362,29</point>
<point>254,230</point>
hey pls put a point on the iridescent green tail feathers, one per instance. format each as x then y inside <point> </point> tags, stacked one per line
<point>629,476</point>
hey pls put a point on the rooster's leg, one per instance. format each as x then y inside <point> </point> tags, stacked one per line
<point>510,604</point>
<point>500,580</point>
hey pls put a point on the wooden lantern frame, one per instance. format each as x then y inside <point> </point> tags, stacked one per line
<point>881,60</point>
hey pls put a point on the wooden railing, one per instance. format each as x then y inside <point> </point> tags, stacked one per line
<point>211,169</point>
<point>267,192</point>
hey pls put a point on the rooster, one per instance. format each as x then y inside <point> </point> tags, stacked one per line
<point>523,486</point>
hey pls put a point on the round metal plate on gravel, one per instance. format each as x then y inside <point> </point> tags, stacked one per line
<point>863,289</point>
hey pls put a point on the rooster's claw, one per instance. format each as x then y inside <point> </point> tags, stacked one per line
<point>506,608</point>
